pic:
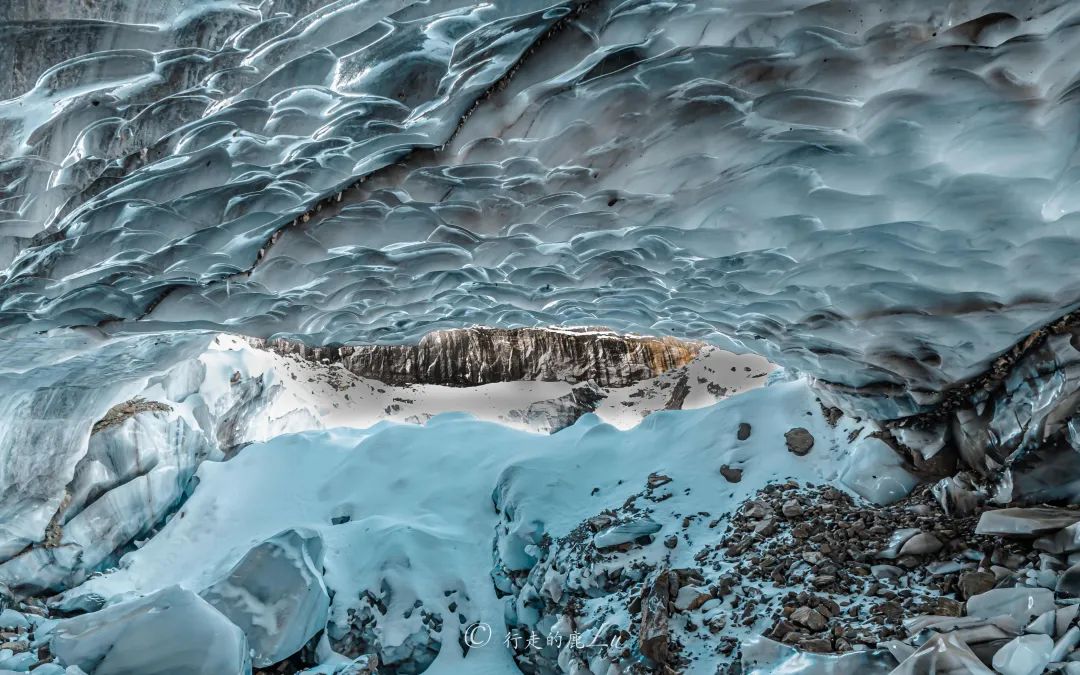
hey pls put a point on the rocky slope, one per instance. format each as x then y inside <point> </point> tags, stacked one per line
<point>475,356</point>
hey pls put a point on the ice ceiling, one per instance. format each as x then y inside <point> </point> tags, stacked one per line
<point>871,191</point>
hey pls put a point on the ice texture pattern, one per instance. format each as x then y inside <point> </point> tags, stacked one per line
<point>881,194</point>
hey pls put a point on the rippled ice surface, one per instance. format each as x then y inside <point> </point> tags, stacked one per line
<point>868,191</point>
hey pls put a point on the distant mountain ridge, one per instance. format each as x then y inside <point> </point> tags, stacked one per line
<point>469,357</point>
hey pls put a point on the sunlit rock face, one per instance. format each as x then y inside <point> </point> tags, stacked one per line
<point>477,356</point>
<point>878,193</point>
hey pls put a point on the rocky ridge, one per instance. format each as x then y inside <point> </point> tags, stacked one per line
<point>470,357</point>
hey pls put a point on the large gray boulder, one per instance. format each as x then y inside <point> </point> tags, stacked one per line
<point>276,595</point>
<point>170,632</point>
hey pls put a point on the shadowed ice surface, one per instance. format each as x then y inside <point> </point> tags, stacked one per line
<point>872,192</point>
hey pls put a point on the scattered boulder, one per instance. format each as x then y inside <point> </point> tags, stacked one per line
<point>731,474</point>
<point>975,583</point>
<point>816,645</point>
<point>744,431</point>
<point>1024,655</point>
<point>756,510</point>
<point>657,480</point>
<point>276,595</point>
<point>921,544</point>
<point>886,571</point>
<point>168,632</point>
<point>896,543</point>
<point>690,598</point>
<point>799,441</point>
<point>809,618</point>
<point>1026,522</point>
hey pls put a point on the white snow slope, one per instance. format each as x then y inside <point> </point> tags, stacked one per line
<point>419,511</point>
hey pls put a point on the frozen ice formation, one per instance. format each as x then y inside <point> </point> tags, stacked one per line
<point>127,430</point>
<point>167,632</point>
<point>276,595</point>
<point>368,171</point>
<point>351,336</point>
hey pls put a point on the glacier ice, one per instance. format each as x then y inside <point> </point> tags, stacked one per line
<point>276,595</point>
<point>419,542</point>
<point>102,487</point>
<point>362,171</point>
<point>168,632</point>
<point>240,241</point>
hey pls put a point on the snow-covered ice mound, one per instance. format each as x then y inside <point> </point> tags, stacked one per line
<point>128,421</point>
<point>407,519</point>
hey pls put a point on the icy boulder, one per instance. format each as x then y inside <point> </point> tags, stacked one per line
<point>133,476</point>
<point>276,595</point>
<point>170,632</point>
<point>761,656</point>
<point>1025,655</point>
<point>876,473</point>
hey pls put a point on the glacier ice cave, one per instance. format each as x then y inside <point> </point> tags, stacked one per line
<point>579,337</point>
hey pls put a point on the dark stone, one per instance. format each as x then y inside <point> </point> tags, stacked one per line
<point>730,474</point>
<point>657,480</point>
<point>832,414</point>
<point>974,583</point>
<point>654,635</point>
<point>678,394</point>
<point>810,618</point>
<point>816,645</point>
<point>799,441</point>
<point>744,431</point>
